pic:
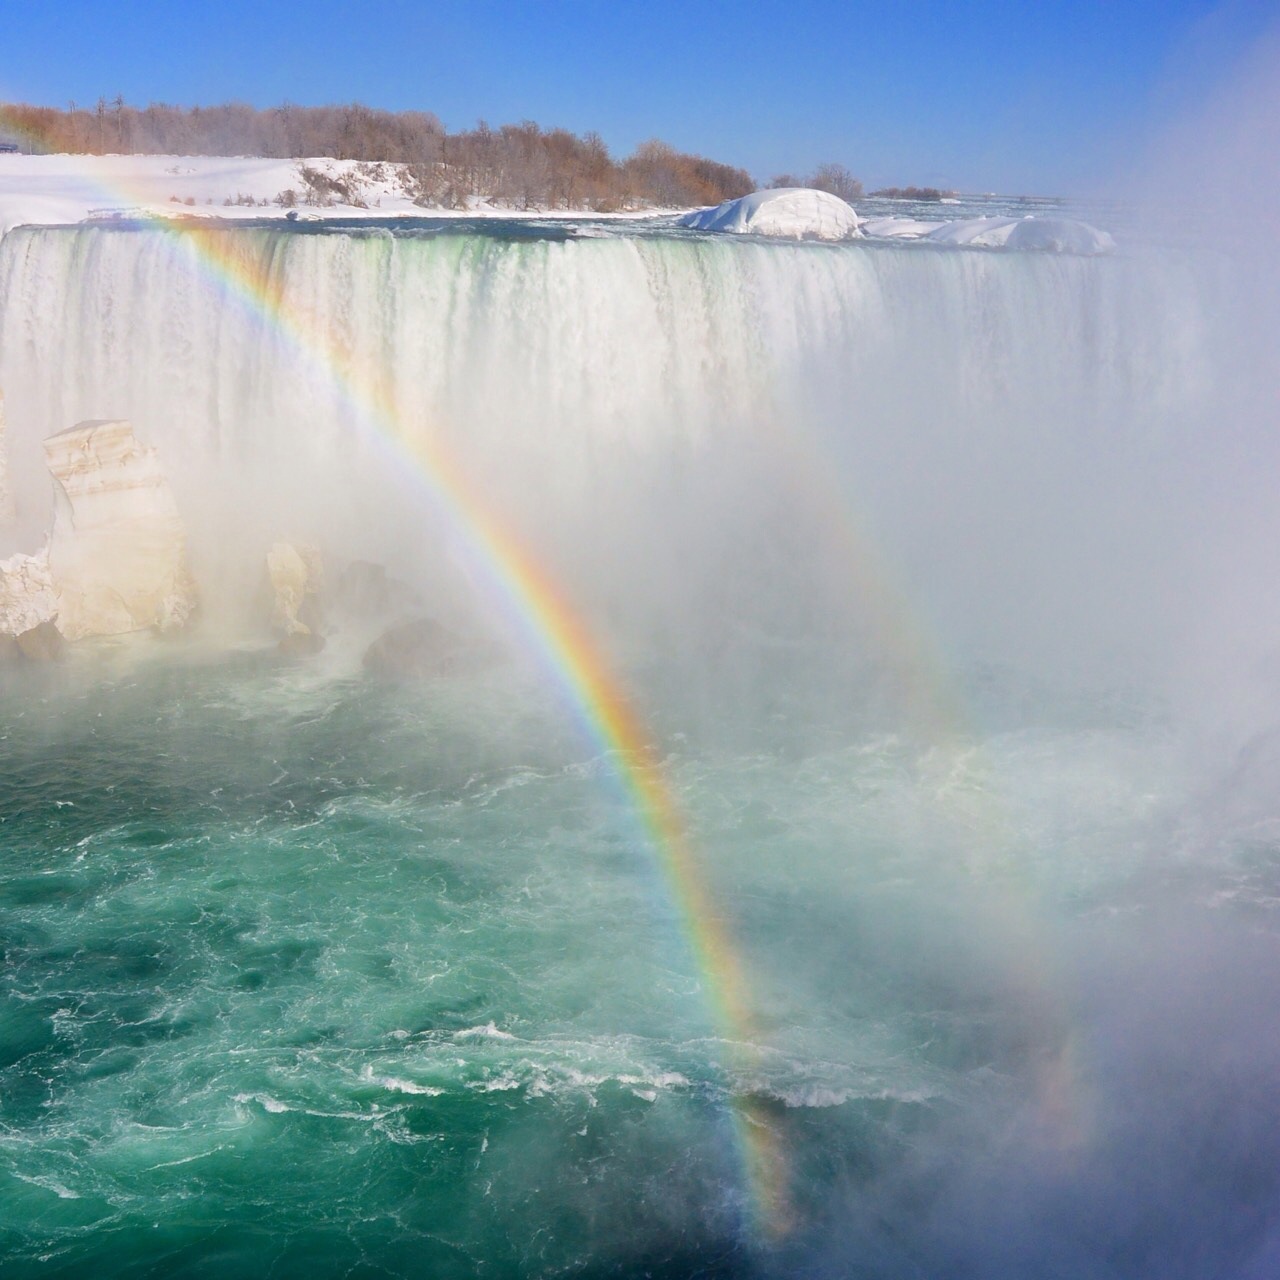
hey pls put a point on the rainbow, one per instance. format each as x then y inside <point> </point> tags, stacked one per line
<point>558,636</point>
<point>560,639</point>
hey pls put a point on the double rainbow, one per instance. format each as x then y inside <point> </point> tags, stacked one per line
<point>559,637</point>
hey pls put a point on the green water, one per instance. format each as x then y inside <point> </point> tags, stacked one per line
<point>305,974</point>
<point>323,972</point>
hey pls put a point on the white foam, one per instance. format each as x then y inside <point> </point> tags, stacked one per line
<point>398,1085</point>
<point>265,1101</point>
<point>47,1184</point>
<point>487,1032</point>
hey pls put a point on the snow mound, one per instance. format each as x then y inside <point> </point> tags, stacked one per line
<point>892,228</point>
<point>1042,235</point>
<point>980,233</point>
<point>796,213</point>
<point>1059,235</point>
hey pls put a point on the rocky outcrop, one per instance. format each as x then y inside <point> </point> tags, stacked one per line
<point>795,213</point>
<point>117,554</point>
<point>42,643</point>
<point>296,575</point>
<point>28,606</point>
<point>419,647</point>
<point>300,644</point>
<point>27,595</point>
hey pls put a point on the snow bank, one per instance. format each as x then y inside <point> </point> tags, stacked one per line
<point>981,233</point>
<point>796,213</point>
<point>60,190</point>
<point>898,228</point>
<point>67,189</point>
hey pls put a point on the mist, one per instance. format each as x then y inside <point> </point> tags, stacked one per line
<point>943,583</point>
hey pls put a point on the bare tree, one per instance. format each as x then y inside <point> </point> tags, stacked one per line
<point>837,180</point>
<point>521,164</point>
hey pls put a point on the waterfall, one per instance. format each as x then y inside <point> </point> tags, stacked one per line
<point>943,582</point>
<point>1017,443</point>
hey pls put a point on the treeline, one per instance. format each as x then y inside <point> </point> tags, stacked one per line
<point>834,178</point>
<point>914,193</point>
<point>522,165</point>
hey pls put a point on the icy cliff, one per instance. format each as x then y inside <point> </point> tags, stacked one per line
<point>117,554</point>
<point>27,595</point>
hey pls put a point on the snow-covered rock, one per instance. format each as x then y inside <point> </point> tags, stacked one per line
<point>1045,235</point>
<point>979,233</point>
<point>1059,235</point>
<point>117,554</point>
<point>894,228</point>
<point>797,213</point>
<point>27,595</point>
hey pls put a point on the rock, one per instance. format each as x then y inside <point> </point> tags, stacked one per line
<point>117,553</point>
<point>27,595</point>
<point>297,577</point>
<point>300,644</point>
<point>418,647</point>
<point>796,213</point>
<point>43,643</point>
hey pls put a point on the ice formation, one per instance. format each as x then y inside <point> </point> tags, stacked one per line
<point>1058,235</point>
<point>796,213</point>
<point>1045,235</point>
<point>27,595</point>
<point>117,555</point>
<point>896,228</point>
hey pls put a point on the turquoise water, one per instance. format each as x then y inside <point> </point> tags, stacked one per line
<point>309,974</point>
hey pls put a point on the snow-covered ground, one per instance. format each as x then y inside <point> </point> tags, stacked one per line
<point>798,213</point>
<point>66,189</point>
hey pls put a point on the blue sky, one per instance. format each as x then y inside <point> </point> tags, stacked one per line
<point>1047,97</point>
